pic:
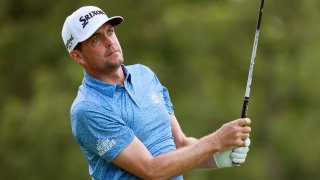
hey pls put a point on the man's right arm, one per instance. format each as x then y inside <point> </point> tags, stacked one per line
<point>136,159</point>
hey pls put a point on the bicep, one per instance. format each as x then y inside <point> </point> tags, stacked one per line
<point>180,139</point>
<point>177,133</point>
<point>135,158</point>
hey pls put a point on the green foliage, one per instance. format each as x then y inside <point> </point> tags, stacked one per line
<point>200,51</point>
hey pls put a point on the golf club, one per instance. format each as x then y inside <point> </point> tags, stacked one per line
<point>253,56</point>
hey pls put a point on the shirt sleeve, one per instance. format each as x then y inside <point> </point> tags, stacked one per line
<point>167,100</point>
<point>165,92</point>
<point>100,131</point>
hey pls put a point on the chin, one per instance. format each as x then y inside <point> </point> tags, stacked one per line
<point>116,59</point>
<point>120,60</point>
<point>115,64</point>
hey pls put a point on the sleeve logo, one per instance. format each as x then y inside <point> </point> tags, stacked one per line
<point>104,145</point>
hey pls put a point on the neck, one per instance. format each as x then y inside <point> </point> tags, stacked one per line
<point>113,77</point>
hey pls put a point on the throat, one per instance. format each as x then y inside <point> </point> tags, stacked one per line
<point>113,77</point>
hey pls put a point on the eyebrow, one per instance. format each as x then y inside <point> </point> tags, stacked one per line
<point>99,33</point>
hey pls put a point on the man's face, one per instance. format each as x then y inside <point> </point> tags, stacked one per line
<point>101,53</point>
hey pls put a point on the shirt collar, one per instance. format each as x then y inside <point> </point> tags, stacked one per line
<point>104,87</point>
<point>127,74</point>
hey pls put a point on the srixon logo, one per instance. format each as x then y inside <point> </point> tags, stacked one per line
<point>85,19</point>
<point>69,42</point>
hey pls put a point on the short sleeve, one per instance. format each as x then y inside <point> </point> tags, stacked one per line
<point>165,92</point>
<point>167,100</point>
<point>99,130</point>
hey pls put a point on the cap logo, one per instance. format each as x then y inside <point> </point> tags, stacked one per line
<point>85,19</point>
<point>69,42</point>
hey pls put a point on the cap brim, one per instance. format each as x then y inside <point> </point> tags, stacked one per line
<point>114,21</point>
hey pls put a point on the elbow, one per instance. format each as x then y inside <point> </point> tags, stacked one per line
<point>180,141</point>
<point>153,175</point>
<point>155,172</point>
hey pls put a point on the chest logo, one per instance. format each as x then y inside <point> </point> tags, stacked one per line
<point>155,98</point>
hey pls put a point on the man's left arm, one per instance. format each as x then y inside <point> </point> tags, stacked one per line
<point>219,160</point>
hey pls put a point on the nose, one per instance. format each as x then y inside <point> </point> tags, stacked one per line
<point>108,39</point>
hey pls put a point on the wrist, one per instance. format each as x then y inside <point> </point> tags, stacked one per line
<point>214,142</point>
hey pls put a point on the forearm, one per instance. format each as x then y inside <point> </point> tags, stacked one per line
<point>209,163</point>
<point>184,159</point>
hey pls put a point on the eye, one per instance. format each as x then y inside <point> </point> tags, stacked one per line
<point>110,31</point>
<point>96,39</point>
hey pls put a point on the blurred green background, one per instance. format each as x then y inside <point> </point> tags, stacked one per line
<point>200,51</point>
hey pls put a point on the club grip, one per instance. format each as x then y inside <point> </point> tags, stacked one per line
<point>245,107</point>
<point>243,115</point>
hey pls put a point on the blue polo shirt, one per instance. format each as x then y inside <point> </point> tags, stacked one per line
<point>106,117</point>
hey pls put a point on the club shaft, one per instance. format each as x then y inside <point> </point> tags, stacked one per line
<point>253,56</point>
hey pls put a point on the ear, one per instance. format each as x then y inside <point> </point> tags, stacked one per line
<point>77,56</point>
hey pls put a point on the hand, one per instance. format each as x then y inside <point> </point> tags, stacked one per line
<point>238,155</point>
<point>232,134</point>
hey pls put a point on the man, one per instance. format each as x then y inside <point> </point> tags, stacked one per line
<point>123,118</point>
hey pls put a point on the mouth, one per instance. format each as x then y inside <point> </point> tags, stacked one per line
<point>112,53</point>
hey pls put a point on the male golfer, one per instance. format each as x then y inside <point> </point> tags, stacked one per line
<point>123,118</point>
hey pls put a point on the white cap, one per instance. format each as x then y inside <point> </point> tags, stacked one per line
<point>82,23</point>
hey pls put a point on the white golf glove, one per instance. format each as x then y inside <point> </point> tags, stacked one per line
<point>237,155</point>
